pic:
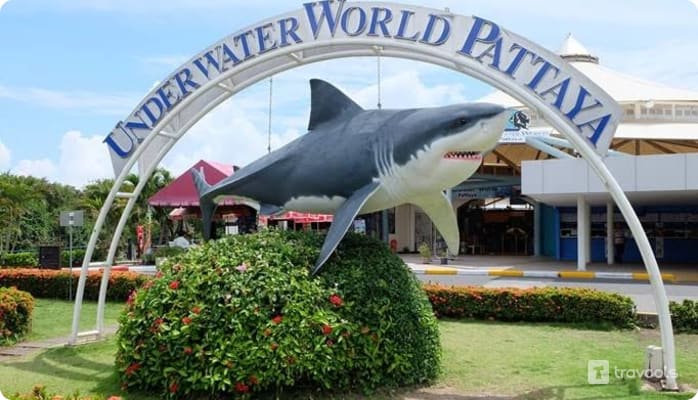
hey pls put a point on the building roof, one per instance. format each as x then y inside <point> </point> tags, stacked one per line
<point>182,193</point>
<point>623,88</point>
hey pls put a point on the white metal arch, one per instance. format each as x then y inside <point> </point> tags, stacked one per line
<point>320,42</point>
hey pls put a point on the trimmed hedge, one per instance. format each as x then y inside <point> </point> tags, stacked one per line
<point>16,309</point>
<point>547,304</point>
<point>242,315</point>
<point>684,316</point>
<point>53,284</point>
<point>23,259</point>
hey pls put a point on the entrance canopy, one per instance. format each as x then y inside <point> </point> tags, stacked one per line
<point>182,193</point>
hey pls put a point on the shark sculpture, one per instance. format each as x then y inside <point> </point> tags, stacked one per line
<point>354,161</point>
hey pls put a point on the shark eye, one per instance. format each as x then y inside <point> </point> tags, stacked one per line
<point>460,122</point>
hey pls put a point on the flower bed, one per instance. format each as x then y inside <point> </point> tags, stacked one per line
<point>548,304</point>
<point>54,284</point>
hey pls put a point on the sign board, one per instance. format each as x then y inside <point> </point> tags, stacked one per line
<point>482,193</point>
<point>72,218</point>
<point>50,257</point>
<point>325,29</point>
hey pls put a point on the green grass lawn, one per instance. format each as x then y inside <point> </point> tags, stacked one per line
<point>508,361</point>
<point>53,318</point>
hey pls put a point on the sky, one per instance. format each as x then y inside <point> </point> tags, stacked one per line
<point>71,69</point>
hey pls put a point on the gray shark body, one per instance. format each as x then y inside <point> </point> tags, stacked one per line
<point>354,161</point>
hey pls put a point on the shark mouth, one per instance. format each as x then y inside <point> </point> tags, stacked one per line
<point>463,155</point>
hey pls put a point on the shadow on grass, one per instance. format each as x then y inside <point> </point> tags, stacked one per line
<point>551,393</point>
<point>65,363</point>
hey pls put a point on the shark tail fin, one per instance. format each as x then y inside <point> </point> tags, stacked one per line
<point>207,205</point>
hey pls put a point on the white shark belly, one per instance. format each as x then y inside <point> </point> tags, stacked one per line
<point>315,204</point>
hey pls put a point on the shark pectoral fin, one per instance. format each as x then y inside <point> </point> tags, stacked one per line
<point>440,210</point>
<point>343,219</point>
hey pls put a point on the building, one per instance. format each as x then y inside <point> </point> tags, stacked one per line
<point>535,196</point>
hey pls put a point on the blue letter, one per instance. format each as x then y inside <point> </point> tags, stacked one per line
<point>496,56</point>
<point>579,107</point>
<point>404,21</point>
<point>168,98</point>
<point>145,109</point>
<point>362,21</point>
<point>263,37</point>
<point>109,140</point>
<point>474,35</point>
<point>184,81</point>
<point>210,60</point>
<point>559,95</point>
<point>598,130</point>
<point>387,17</point>
<point>242,38</point>
<point>286,31</point>
<point>541,72</point>
<point>445,33</point>
<point>518,58</point>
<point>332,20</point>
<point>229,56</point>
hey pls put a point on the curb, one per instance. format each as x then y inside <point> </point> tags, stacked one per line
<point>638,276</point>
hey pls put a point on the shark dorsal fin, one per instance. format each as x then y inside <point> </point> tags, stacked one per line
<point>328,103</point>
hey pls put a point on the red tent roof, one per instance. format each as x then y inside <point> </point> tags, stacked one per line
<point>182,193</point>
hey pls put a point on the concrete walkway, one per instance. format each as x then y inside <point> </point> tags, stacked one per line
<point>529,266</point>
<point>22,349</point>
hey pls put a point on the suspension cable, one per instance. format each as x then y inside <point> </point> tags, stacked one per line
<point>271,93</point>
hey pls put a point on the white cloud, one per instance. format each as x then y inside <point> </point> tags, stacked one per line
<point>43,168</point>
<point>82,159</point>
<point>93,103</point>
<point>2,3</point>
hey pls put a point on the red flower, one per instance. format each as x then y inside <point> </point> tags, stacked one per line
<point>131,297</point>
<point>158,274</point>
<point>336,300</point>
<point>148,284</point>
<point>253,380</point>
<point>274,346</point>
<point>326,329</point>
<point>186,320</point>
<point>174,387</point>
<point>329,342</point>
<point>188,350</point>
<point>156,325</point>
<point>290,360</point>
<point>132,369</point>
<point>196,310</point>
<point>241,388</point>
<point>277,320</point>
<point>267,332</point>
<point>114,398</point>
<point>174,285</point>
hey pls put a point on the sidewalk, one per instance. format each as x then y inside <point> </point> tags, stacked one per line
<point>22,349</point>
<point>541,267</point>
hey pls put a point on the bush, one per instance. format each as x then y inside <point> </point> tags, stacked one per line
<point>39,392</point>
<point>54,284</point>
<point>24,259</point>
<point>684,316</point>
<point>242,315</point>
<point>78,255</point>
<point>169,251</point>
<point>16,309</point>
<point>549,304</point>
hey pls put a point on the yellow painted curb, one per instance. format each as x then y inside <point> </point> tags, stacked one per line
<point>643,276</point>
<point>440,271</point>
<point>505,272</point>
<point>577,274</point>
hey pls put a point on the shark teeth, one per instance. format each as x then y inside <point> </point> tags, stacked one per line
<point>463,155</point>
